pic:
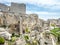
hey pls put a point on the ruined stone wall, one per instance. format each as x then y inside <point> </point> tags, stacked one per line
<point>15,7</point>
<point>18,8</point>
<point>3,7</point>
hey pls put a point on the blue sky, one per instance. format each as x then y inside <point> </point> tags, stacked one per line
<point>46,9</point>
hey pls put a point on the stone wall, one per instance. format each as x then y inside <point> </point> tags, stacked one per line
<point>18,8</point>
<point>3,7</point>
<point>15,8</point>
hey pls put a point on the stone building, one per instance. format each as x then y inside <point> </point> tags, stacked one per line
<point>18,8</point>
<point>14,8</point>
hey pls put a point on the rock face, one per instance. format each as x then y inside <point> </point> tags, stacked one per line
<point>47,39</point>
<point>20,41</point>
<point>5,34</point>
<point>14,22</point>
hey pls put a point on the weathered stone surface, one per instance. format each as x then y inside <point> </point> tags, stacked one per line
<point>15,8</point>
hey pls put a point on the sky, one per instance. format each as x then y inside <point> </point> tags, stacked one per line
<point>46,9</point>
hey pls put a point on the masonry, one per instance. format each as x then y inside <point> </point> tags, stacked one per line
<point>15,8</point>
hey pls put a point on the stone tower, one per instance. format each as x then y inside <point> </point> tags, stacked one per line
<point>18,8</point>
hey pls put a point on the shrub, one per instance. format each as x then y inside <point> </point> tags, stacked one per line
<point>27,44</point>
<point>56,33</point>
<point>17,35</point>
<point>26,37</point>
<point>2,40</point>
<point>27,30</point>
<point>13,39</point>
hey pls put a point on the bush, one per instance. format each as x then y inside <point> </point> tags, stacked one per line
<point>27,44</point>
<point>13,39</point>
<point>2,40</point>
<point>27,30</point>
<point>56,33</point>
<point>26,37</point>
<point>17,35</point>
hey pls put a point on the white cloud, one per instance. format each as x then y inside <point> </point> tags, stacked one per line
<point>45,15</point>
<point>30,12</point>
<point>3,1</point>
<point>53,4</point>
<point>40,12</point>
<point>37,2</point>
